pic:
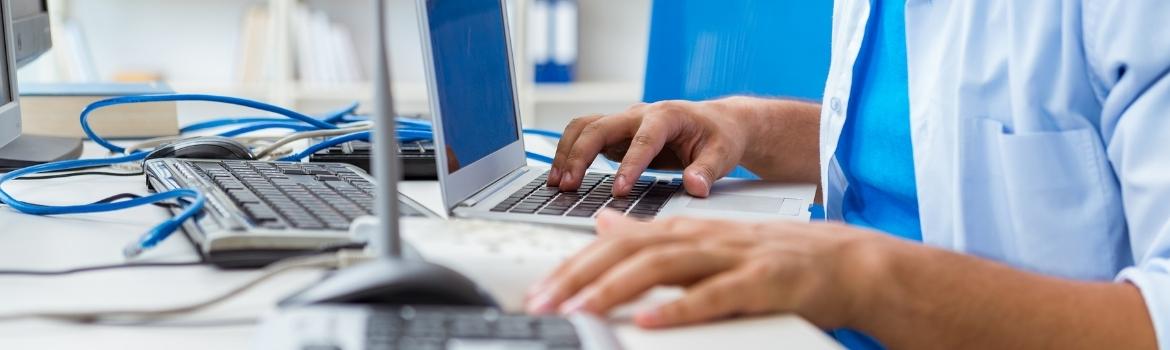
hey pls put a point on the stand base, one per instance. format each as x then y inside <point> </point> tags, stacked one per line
<point>388,281</point>
<point>29,150</point>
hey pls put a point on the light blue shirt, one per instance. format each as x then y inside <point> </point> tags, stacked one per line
<point>1040,133</point>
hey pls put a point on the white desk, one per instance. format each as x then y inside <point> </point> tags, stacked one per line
<point>31,242</point>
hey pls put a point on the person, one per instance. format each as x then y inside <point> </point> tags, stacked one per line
<point>1025,143</point>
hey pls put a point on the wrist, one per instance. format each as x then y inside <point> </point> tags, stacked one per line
<point>866,276</point>
<point>747,116</point>
<point>780,136</point>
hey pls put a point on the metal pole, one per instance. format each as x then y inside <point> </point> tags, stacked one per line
<point>386,165</point>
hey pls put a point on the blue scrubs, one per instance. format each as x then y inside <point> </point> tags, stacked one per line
<point>874,151</point>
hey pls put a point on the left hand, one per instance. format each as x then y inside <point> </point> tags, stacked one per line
<point>730,268</point>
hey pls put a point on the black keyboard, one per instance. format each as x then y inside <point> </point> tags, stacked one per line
<point>644,201</point>
<point>426,328</point>
<point>279,195</point>
<point>418,158</point>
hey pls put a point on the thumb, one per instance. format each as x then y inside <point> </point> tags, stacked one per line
<point>707,167</point>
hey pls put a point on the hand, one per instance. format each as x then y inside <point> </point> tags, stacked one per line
<point>730,268</point>
<point>705,138</point>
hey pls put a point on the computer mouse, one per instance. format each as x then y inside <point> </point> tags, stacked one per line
<point>394,281</point>
<point>204,147</point>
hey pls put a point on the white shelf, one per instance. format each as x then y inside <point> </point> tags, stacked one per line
<point>170,38</point>
<point>580,92</point>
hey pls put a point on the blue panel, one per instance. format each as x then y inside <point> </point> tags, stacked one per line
<point>704,49</point>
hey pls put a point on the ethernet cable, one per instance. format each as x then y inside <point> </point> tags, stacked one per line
<point>323,261</point>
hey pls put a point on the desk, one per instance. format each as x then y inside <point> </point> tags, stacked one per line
<point>31,242</point>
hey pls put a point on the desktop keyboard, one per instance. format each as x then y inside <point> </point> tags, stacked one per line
<point>341,327</point>
<point>434,328</point>
<point>282,195</point>
<point>644,201</point>
<point>259,212</point>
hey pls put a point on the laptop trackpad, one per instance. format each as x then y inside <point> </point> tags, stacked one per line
<point>746,200</point>
<point>746,203</point>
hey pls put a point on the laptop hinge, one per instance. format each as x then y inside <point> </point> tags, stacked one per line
<point>494,188</point>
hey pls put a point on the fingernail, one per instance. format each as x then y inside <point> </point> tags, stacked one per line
<point>574,304</point>
<point>541,304</point>
<point>706,190</point>
<point>606,215</point>
<point>702,178</point>
<point>620,181</point>
<point>566,178</point>
<point>554,174</point>
<point>537,288</point>
<point>604,219</point>
<point>648,318</point>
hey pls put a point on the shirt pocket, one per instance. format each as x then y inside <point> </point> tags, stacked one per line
<point>1055,212</point>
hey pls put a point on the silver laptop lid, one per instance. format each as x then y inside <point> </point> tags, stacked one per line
<point>468,57</point>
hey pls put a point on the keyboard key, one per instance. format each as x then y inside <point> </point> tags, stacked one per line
<point>580,213</point>
<point>556,212</point>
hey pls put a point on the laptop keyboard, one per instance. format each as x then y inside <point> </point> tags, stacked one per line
<point>644,201</point>
<point>277,195</point>
<point>458,328</point>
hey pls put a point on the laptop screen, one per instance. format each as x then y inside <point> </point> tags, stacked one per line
<point>473,77</point>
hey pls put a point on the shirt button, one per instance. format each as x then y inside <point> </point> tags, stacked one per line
<point>835,104</point>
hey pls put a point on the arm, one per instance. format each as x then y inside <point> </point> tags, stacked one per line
<point>905,294</point>
<point>775,138</point>
<point>920,297</point>
<point>785,140</point>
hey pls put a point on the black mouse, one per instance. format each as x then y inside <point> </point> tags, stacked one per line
<point>204,147</point>
<point>389,281</point>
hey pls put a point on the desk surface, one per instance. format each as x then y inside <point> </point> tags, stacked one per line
<point>31,242</point>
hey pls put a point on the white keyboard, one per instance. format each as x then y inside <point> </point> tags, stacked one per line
<point>504,258</point>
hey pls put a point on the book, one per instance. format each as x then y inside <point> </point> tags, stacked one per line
<point>55,110</point>
<point>254,62</point>
<point>325,52</point>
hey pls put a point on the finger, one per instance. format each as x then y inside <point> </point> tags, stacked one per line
<point>653,133</point>
<point>616,152</point>
<point>586,267</point>
<point>667,264</point>
<point>711,164</point>
<point>590,141</point>
<point>606,220</point>
<point>717,297</point>
<point>567,139</point>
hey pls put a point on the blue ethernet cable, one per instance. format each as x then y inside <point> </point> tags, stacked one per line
<point>357,136</point>
<point>150,239</point>
<point>538,157</point>
<point>221,122</point>
<point>268,125</point>
<point>542,132</point>
<point>335,117</point>
<point>403,136</point>
<point>188,97</point>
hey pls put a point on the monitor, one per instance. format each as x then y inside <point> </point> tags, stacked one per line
<point>30,29</point>
<point>24,36</point>
<point>9,106</point>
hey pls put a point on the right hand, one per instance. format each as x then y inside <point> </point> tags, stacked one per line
<point>702,138</point>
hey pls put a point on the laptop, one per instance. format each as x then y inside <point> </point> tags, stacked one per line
<point>400,302</point>
<point>483,170</point>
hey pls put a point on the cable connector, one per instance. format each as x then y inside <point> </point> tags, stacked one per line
<point>351,257</point>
